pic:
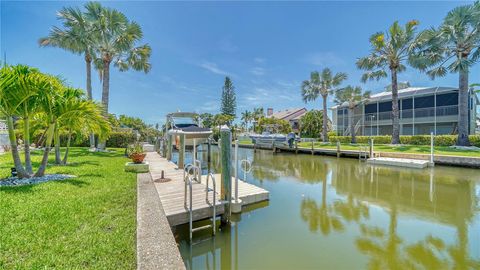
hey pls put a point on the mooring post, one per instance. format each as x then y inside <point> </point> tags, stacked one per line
<point>370,145</point>
<point>312,147</point>
<point>296,147</point>
<point>431,149</point>
<point>209,154</point>
<point>226,192</point>
<point>169,146</point>
<point>237,203</point>
<point>181,152</point>
<point>338,148</point>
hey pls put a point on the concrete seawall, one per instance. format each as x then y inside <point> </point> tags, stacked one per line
<point>447,160</point>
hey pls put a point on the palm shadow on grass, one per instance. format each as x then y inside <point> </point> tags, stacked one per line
<point>29,188</point>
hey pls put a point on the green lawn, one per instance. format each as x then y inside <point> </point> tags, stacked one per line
<point>416,149</point>
<point>84,223</point>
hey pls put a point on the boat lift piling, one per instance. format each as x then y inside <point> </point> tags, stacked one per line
<point>181,152</point>
<point>237,203</point>
<point>169,146</point>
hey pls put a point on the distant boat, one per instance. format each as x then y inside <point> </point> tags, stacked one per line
<point>184,123</point>
<point>267,139</point>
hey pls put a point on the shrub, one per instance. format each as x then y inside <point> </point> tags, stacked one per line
<point>120,139</point>
<point>439,140</point>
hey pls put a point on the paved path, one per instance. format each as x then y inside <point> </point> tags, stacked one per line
<point>156,246</point>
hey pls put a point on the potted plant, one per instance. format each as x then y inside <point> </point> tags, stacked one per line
<point>135,153</point>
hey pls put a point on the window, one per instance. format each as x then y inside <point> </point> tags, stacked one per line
<point>424,102</point>
<point>447,99</point>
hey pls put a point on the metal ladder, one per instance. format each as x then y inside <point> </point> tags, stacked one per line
<point>363,152</point>
<point>189,168</point>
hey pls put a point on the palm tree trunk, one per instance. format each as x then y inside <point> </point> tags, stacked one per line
<point>352,124</point>
<point>68,148</point>
<point>105,94</point>
<point>48,145</point>
<point>56,141</point>
<point>325,119</point>
<point>462,139</point>
<point>88,61</point>
<point>395,110</point>
<point>26,139</point>
<point>21,173</point>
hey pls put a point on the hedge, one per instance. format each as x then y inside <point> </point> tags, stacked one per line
<point>439,140</point>
<point>116,139</point>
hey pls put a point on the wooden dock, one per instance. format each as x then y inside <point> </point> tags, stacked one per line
<point>172,193</point>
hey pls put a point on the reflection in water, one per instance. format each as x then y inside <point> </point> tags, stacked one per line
<point>380,217</point>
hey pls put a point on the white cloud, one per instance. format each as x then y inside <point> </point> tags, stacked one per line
<point>259,71</point>
<point>324,59</point>
<point>212,67</point>
<point>259,60</point>
<point>179,85</point>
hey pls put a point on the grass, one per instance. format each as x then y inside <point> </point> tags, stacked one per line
<point>415,149</point>
<point>84,223</point>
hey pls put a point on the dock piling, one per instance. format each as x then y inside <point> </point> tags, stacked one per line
<point>169,147</point>
<point>181,152</point>
<point>226,192</point>
<point>338,148</point>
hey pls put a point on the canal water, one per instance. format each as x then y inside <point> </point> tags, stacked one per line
<point>329,213</point>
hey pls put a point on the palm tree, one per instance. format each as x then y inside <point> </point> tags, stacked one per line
<point>352,96</point>
<point>246,117</point>
<point>26,92</point>
<point>390,50</point>
<point>76,115</point>
<point>77,36</point>
<point>115,39</point>
<point>454,47</point>
<point>321,85</point>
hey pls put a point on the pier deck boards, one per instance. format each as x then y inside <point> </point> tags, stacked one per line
<point>401,162</point>
<point>172,193</point>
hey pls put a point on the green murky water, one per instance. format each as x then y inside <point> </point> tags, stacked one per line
<point>329,213</point>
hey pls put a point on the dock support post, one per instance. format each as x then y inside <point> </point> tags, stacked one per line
<point>181,152</point>
<point>370,145</point>
<point>312,147</point>
<point>338,148</point>
<point>169,147</point>
<point>296,147</point>
<point>209,155</point>
<point>226,192</point>
<point>237,203</point>
<point>432,163</point>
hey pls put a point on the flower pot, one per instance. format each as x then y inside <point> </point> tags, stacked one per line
<point>137,157</point>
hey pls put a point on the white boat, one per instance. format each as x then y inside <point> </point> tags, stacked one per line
<point>184,123</point>
<point>266,139</point>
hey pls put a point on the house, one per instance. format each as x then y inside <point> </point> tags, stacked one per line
<point>290,115</point>
<point>422,110</point>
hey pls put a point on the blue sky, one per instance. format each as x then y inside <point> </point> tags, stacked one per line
<point>267,48</point>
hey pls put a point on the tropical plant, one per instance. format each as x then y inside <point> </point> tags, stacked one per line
<point>454,47</point>
<point>206,119</point>
<point>273,125</point>
<point>77,36</point>
<point>246,118</point>
<point>229,105</point>
<point>78,116</point>
<point>353,96</point>
<point>390,51</point>
<point>400,86</point>
<point>222,119</point>
<point>26,92</point>
<point>311,123</point>
<point>322,85</point>
<point>115,39</point>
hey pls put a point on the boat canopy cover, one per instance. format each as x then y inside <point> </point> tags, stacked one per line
<point>182,114</point>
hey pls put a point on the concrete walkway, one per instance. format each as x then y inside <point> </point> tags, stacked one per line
<point>156,246</point>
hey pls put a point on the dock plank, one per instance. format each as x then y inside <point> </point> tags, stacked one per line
<point>172,193</point>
